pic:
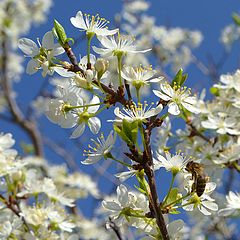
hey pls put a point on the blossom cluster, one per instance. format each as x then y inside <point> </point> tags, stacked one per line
<point>109,89</point>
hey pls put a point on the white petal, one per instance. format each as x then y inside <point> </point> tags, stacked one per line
<point>93,109</point>
<point>78,131</point>
<point>123,176</point>
<point>102,51</point>
<point>92,159</point>
<point>64,72</point>
<point>173,108</point>
<point>210,205</point>
<point>28,46</point>
<point>32,67</point>
<point>122,195</point>
<point>208,124</point>
<point>191,108</point>
<point>105,32</point>
<point>94,124</point>
<point>162,95</point>
<point>111,206</point>
<point>78,21</point>
<point>226,212</point>
<point>69,121</point>
<point>58,49</point>
<point>48,40</point>
<point>167,89</point>
<point>204,210</point>
<point>109,43</point>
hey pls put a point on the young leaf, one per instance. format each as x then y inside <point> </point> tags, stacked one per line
<point>61,34</point>
<point>121,133</point>
<point>236,18</point>
<point>172,196</point>
<point>179,79</point>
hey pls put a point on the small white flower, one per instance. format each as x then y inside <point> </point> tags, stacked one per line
<point>86,115</point>
<point>35,186</point>
<point>139,77</point>
<point>6,142</point>
<point>101,149</point>
<point>230,81</point>
<point>222,125</point>
<point>204,203</point>
<point>40,56</point>
<point>174,163</point>
<point>177,97</point>
<point>137,113</point>
<point>117,46</point>
<point>59,218</point>
<point>92,24</point>
<point>56,112</point>
<point>80,80</point>
<point>233,205</point>
<point>126,200</point>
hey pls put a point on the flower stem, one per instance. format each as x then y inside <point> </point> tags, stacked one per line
<point>119,57</point>
<point>142,134</point>
<point>179,199</point>
<point>89,39</point>
<point>93,92</point>
<point>121,162</point>
<point>83,106</point>
<point>138,94</point>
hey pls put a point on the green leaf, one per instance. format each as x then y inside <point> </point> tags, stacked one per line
<point>174,211</point>
<point>172,196</point>
<point>236,18</point>
<point>60,32</point>
<point>131,130</point>
<point>128,131</point>
<point>143,184</point>
<point>140,189</point>
<point>122,134</point>
<point>179,79</point>
<point>214,91</point>
<point>70,40</point>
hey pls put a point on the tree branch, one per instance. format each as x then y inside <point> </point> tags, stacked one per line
<point>27,125</point>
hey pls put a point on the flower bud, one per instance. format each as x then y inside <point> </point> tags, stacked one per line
<point>101,66</point>
<point>17,176</point>
<point>89,75</point>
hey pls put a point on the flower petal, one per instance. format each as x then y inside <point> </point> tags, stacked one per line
<point>173,108</point>
<point>28,46</point>
<point>48,40</point>
<point>78,21</point>
<point>78,131</point>
<point>94,124</point>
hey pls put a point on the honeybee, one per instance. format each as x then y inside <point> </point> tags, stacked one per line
<point>198,176</point>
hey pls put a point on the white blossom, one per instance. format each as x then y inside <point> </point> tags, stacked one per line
<point>114,46</point>
<point>100,150</point>
<point>92,24</point>
<point>233,205</point>
<point>174,163</point>
<point>137,113</point>
<point>40,56</point>
<point>222,125</point>
<point>205,204</point>
<point>140,76</point>
<point>177,98</point>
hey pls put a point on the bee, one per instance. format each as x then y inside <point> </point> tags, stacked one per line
<point>198,176</point>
